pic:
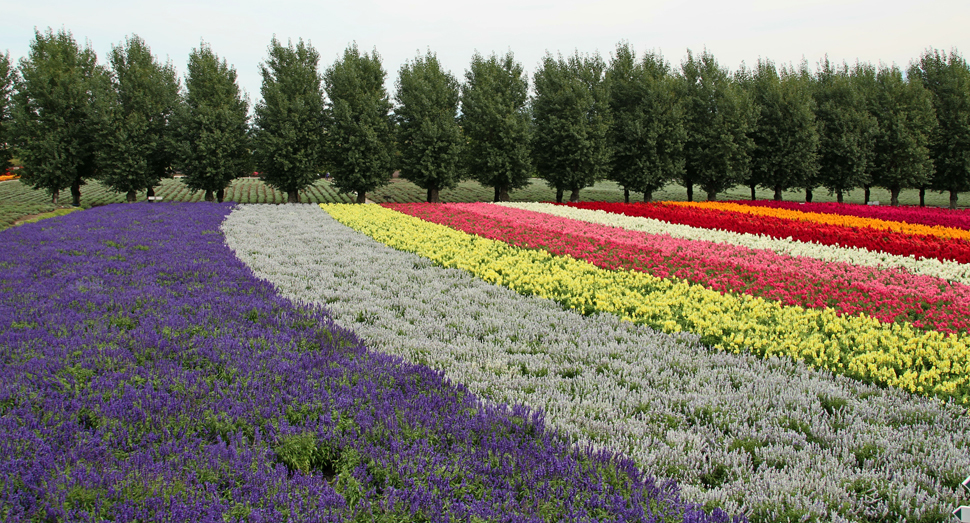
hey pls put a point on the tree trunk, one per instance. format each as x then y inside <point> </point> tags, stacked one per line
<point>76,192</point>
<point>361,196</point>
<point>953,199</point>
<point>54,197</point>
<point>838,195</point>
<point>809,195</point>
<point>712,196</point>
<point>574,196</point>
<point>150,193</point>
<point>777,193</point>
<point>894,197</point>
<point>503,193</point>
<point>131,196</point>
<point>690,192</point>
<point>559,195</point>
<point>293,197</point>
<point>220,195</point>
<point>647,195</point>
<point>922,196</point>
<point>496,194</point>
<point>754,195</point>
<point>626,195</point>
<point>867,194</point>
<point>433,196</point>
<point>209,197</point>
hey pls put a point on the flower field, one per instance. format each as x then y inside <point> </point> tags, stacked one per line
<point>147,375</point>
<point>483,362</point>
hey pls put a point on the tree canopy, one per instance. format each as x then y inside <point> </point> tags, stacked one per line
<point>429,137</point>
<point>947,78</point>
<point>54,114</point>
<point>360,132</point>
<point>137,131</point>
<point>647,131</point>
<point>497,124</point>
<point>570,112</point>
<point>289,125</point>
<point>214,144</point>
<point>718,117</point>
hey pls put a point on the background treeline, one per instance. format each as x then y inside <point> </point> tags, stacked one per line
<point>636,120</point>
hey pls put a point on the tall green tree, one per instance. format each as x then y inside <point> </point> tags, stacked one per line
<point>846,130</point>
<point>7,73</point>
<point>497,124</point>
<point>718,117</point>
<point>429,138</point>
<point>904,111</point>
<point>138,134</point>
<point>570,112</point>
<point>948,80</point>
<point>360,138</point>
<point>647,131</point>
<point>54,126</point>
<point>289,120</point>
<point>214,141</point>
<point>785,135</point>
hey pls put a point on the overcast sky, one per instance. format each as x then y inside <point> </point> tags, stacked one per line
<point>744,30</point>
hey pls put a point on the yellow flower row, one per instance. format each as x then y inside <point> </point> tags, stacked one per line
<point>858,346</point>
<point>832,219</point>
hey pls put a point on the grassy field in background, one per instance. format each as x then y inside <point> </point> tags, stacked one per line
<point>18,201</point>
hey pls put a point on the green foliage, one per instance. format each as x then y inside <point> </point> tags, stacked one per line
<point>360,140</point>
<point>846,130</point>
<point>718,116</point>
<point>7,74</point>
<point>785,136</point>
<point>904,112</point>
<point>54,124</point>
<point>429,137</point>
<point>647,132</point>
<point>571,114</point>
<point>214,145</point>
<point>497,124</point>
<point>948,81</point>
<point>138,137</point>
<point>289,130</point>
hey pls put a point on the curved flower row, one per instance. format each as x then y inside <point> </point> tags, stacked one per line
<point>942,269</point>
<point>841,220</point>
<point>148,375</point>
<point>887,295</point>
<point>859,346</point>
<point>768,437</point>
<point>869,239</point>
<point>930,216</point>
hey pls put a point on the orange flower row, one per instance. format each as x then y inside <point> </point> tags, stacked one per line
<point>6,177</point>
<point>832,219</point>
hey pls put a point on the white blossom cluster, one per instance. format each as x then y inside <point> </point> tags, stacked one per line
<point>774,439</point>
<point>944,269</point>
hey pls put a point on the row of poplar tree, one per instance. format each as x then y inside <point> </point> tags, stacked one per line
<point>636,121</point>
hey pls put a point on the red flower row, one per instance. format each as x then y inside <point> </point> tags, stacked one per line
<point>919,246</point>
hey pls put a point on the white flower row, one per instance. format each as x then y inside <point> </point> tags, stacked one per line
<point>944,269</point>
<point>817,444</point>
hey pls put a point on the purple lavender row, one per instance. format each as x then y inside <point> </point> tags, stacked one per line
<point>146,374</point>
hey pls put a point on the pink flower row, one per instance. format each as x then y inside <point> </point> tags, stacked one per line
<point>958,219</point>
<point>889,295</point>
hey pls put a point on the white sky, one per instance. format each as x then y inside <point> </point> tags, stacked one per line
<point>783,31</point>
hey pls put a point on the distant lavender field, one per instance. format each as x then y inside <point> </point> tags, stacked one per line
<point>147,374</point>
<point>774,439</point>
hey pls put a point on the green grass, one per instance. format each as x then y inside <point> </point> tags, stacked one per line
<point>18,201</point>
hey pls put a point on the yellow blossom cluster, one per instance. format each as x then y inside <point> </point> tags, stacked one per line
<point>924,362</point>
<point>832,219</point>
